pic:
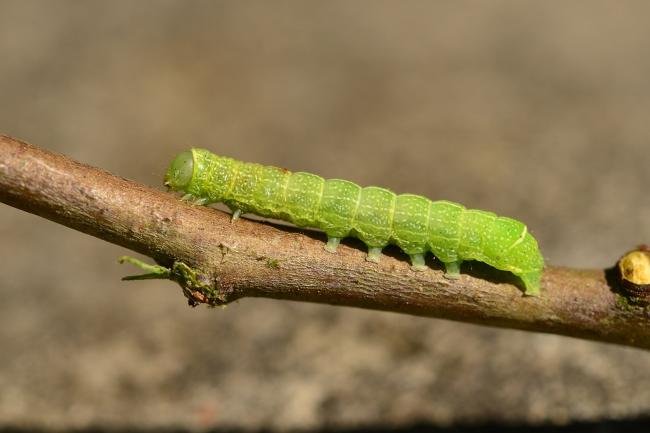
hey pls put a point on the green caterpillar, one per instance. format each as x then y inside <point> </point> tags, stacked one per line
<point>375,215</point>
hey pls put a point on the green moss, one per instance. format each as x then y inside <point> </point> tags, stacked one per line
<point>624,303</point>
<point>272,263</point>
<point>629,303</point>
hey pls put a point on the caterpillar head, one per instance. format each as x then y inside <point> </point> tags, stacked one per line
<point>179,174</point>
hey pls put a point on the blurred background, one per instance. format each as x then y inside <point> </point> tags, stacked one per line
<point>535,110</point>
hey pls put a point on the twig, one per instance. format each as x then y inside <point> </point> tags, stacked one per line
<point>217,261</point>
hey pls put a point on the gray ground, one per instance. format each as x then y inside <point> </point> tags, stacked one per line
<point>536,110</point>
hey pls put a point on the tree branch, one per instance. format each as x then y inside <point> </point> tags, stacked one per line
<point>217,261</point>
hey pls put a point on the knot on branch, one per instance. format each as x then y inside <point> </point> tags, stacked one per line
<point>197,288</point>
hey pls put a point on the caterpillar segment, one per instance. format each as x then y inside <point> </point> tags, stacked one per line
<point>376,216</point>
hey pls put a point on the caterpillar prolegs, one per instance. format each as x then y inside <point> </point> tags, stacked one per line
<point>375,215</point>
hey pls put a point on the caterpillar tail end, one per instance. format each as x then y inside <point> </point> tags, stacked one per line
<point>531,283</point>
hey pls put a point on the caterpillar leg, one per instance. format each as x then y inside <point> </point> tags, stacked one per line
<point>374,254</point>
<point>417,262</point>
<point>332,244</point>
<point>452,269</point>
<point>197,201</point>
<point>235,215</point>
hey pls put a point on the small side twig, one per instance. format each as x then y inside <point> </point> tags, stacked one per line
<point>217,262</point>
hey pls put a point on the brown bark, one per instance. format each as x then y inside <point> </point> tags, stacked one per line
<point>247,258</point>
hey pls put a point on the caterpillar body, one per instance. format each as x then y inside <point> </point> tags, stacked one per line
<point>376,216</point>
